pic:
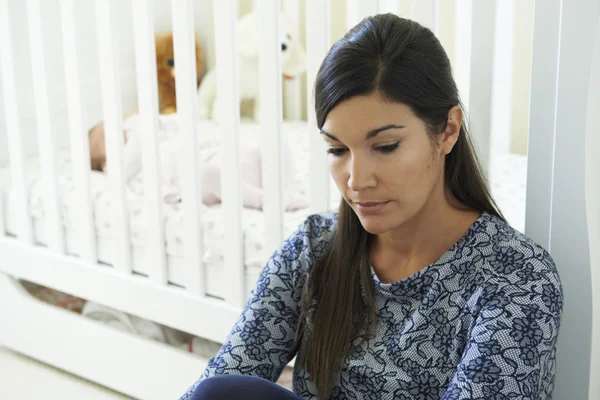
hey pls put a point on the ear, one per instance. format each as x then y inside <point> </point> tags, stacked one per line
<point>452,131</point>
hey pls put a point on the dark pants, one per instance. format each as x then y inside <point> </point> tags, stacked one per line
<point>234,387</point>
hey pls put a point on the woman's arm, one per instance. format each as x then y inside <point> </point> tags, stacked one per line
<point>511,350</point>
<point>261,342</point>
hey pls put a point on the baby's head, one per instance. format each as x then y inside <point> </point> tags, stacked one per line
<point>97,147</point>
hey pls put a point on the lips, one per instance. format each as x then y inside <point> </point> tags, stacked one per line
<point>372,206</point>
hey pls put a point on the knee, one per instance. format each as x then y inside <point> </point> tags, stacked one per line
<point>234,387</point>
<point>220,387</point>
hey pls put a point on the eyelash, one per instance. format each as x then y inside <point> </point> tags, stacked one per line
<point>390,148</point>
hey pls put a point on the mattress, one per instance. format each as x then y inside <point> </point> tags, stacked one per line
<point>255,254</point>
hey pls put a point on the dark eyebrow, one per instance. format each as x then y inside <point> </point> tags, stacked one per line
<point>370,135</point>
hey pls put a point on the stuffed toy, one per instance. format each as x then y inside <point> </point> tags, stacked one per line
<point>165,71</point>
<point>293,63</point>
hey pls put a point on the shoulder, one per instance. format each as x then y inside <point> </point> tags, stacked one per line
<point>288,267</point>
<point>515,256</point>
<point>514,266</point>
<point>312,238</point>
<point>320,226</point>
<point>307,244</point>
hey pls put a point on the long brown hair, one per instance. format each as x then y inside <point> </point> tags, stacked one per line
<point>406,63</point>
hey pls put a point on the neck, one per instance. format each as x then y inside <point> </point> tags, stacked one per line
<point>421,240</point>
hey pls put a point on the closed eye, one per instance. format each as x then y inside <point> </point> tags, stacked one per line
<point>388,148</point>
<point>337,151</point>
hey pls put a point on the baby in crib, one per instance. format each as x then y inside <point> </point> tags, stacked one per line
<point>210,154</point>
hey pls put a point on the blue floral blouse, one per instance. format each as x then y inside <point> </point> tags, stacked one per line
<point>479,323</point>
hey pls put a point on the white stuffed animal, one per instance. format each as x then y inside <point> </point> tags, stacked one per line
<point>293,63</point>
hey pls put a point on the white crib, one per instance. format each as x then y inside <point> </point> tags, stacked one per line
<point>553,193</point>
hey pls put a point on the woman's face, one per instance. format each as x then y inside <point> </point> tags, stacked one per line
<point>383,160</point>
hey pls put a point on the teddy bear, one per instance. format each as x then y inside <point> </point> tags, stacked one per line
<point>165,71</point>
<point>293,63</point>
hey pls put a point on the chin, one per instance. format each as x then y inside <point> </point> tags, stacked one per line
<point>375,225</point>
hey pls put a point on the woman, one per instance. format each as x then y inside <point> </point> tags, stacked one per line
<point>417,288</point>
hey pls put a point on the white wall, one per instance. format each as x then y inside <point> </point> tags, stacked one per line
<point>593,208</point>
<point>562,106</point>
<point>521,82</point>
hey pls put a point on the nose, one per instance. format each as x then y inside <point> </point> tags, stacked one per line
<point>283,47</point>
<point>361,176</point>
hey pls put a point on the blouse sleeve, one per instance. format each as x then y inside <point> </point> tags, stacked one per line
<point>511,350</point>
<point>261,342</point>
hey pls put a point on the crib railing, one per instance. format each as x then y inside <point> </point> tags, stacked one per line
<point>46,137</point>
<point>13,129</point>
<point>469,20</point>
<point>113,127</point>
<point>318,16</point>
<point>318,20</point>
<point>145,57</point>
<point>453,33</point>
<point>185,77</point>
<point>271,120</point>
<point>227,87</point>
<point>79,142</point>
<point>468,30</point>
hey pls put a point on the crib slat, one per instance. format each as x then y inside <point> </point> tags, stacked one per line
<point>462,49</point>
<point>317,46</point>
<point>292,89</point>
<point>225,12</point>
<point>13,130</point>
<point>46,138</point>
<point>185,85</point>
<point>2,210</point>
<point>271,121</point>
<point>425,13</point>
<point>507,97</point>
<point>482,56</point>
<point>145,58</point>
<point>80,155</point>
<point>542,120</point>
<point>356,10</point>
<point>446,26</point>
<point>113,130</point>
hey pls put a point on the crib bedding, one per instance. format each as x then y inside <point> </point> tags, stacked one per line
<point>212,216</point>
